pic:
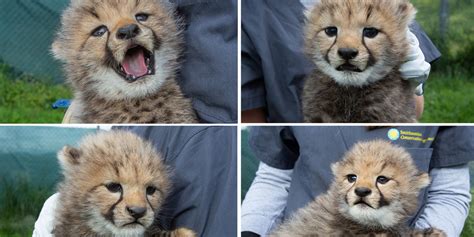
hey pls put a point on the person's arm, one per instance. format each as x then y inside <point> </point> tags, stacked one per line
<point>448,199</point>
<point>416,70</point>
<point>45,224</point>
<point>265,201</point>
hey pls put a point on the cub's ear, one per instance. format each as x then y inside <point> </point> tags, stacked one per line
<point>69,157</point>
<point>422,180</point>
<point>405,12</point>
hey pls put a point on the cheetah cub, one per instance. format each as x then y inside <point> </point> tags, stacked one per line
<point>121,58</point>
<point>358,47</point>
<point>114,184</point>
<point>374,193</point>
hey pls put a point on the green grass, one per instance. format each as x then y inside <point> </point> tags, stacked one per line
<point>449,99</point>
<point>20,204</point>
<point>458,47</point>
<point>25,99</point>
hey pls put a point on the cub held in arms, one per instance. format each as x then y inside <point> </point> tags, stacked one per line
<point>358,47</point>
<point>121,58</point>
<point>114,184</point>
<point>374,193</point>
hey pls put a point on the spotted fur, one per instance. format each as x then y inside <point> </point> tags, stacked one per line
<point>372,89</point>
<point>101,93</point>
<point>383,211</point>
<point>114,185</point>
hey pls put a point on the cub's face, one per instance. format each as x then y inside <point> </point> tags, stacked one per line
<point>124,204</point>
<point>357,42</point>
<point>117,181</point>
<point>118,48</point>
<point>378,184</point>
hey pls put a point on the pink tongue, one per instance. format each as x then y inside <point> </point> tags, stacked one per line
<point>134,62</point>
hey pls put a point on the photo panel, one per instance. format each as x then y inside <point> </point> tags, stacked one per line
<point>119,61</point>
<point>118,181</point>
<point>356,180</point>
<point>352,61</point>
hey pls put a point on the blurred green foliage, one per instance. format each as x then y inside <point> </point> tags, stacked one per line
<point>28,99</point>
<point>20,204</point>
<point>458,45</point>
<point>449,99</point>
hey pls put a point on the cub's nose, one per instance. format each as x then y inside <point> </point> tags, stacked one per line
<point>348,53</point>
<point>136,212</point>
<point>128,32</point>
<point>363,192</point>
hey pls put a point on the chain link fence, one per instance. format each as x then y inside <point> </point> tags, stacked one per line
<point>27,30</point>
<point>30,152</point>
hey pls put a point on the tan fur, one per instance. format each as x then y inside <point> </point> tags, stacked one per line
<point>101,93</point>
<point>87,207</point>
<point>338,213</point>
<point>377,93</point>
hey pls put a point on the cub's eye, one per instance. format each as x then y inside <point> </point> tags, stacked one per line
<point>331,31</point>
<point>382,180</point>
<point>351,178</point>
<point>142,17</point>
<point>99,31</point>
<point>114,187</point>
<point>150,190</point>
<point>370,32</point>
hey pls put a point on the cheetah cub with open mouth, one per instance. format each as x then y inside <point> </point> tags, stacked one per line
<point>121,58</point>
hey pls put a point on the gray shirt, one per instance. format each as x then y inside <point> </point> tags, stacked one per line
<point>204,178</point>
<point>209,72</point>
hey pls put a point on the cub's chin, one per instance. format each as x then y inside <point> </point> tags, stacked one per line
<point>348,74</point>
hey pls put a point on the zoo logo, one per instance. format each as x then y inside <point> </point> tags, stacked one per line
<point>393,134</point>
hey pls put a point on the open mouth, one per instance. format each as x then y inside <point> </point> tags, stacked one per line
<point>137,63</point>
<point>348,67</point>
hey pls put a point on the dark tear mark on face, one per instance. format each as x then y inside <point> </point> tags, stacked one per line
<point>109,60</point>
<point>110,213</point>
<point>326,57</point>
<point>382,201</point>
<point>371,62</point>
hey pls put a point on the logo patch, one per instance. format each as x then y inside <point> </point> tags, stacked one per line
<point>393,134</point>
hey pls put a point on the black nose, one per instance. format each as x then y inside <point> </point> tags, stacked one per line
<point>348,53</point>
<point>128,32</point>
<point>363,192</point>
<point>136,212</point>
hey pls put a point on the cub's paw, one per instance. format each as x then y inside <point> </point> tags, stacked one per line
<point>430,232</point>
<point>183,232</point>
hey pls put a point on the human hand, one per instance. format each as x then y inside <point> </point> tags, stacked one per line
<point>415,69</point>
